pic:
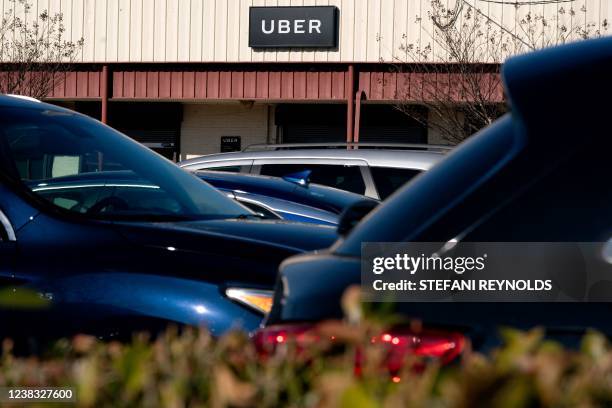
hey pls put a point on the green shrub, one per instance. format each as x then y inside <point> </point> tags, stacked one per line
<point>190,368</point>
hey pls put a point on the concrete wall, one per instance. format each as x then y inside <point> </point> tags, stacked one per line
<point>217,30</point>
<point>433,134</point>
<point>204,124</point>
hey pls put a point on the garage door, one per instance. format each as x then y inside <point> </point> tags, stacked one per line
<point>156,125</point>
<point>386,124</point>
<point>327,123</point>
<point>311,123</point>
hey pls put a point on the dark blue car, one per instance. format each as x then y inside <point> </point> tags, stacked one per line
<point>107,237</point>
<point>290,198</point>
<point>539,174</point>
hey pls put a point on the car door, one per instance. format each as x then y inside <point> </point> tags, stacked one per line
<point>349,175</point>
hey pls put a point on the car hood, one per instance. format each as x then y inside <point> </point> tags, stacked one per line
<point>191,235</point>
<point>221,251</point>
<point>299,237</point>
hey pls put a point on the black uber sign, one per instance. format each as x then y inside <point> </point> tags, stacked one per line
<point>284,27</point>
<point>230,144</point>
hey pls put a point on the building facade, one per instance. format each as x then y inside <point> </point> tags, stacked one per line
<point>191,77</point>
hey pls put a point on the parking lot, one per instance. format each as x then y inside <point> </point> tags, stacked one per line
<point>233,204</point>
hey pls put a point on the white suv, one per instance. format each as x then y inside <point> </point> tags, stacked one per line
<point>373,170</point>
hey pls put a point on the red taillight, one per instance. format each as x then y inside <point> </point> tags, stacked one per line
<point>302,335</point>
<point>401,343</point>
<point>439,345</point>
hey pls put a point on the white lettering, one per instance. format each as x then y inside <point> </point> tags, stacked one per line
<point>263,27</point>
<point>314,25</point>
<point>377,268</point>
<point>283,26</point>
<point>298,26</point>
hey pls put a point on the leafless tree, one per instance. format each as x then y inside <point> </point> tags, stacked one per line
<point>459,64</point>
<point>33,50</point>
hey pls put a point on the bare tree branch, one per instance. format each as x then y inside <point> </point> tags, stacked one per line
<point>33,51</point>
<point>461,83</point>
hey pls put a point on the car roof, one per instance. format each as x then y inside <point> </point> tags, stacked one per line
<point>418,158</point>
<point>19,101</point>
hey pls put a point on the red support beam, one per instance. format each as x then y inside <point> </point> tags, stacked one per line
<point>350,100</point>
<point>358,99</point>
<point>104,93</point>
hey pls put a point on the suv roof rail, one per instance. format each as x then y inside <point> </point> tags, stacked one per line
<point>355,145</point>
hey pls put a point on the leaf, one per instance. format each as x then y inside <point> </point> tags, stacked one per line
<point>229,390</point>
<point>356,397</point>
<point>351,304</point>
<point>594,345</point>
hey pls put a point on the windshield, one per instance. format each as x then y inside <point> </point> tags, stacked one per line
<point>82,166</point>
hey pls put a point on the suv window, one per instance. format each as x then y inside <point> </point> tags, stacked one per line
<point>388,179</point>
<point>230,169</point>
<point>343,177</point>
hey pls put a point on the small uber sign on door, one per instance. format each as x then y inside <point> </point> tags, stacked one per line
<point>284,27</point>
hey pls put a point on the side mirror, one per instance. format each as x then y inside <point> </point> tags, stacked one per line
<point>301,178</point>
<point>353,214</point>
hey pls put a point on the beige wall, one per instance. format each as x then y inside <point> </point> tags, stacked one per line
<point>204,124</point>
<point>217,30</point>
<point>433,135</point>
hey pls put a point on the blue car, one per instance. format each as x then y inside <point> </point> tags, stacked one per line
<point>103,236</point>
<point>539,174</point>
<point>290,198</point>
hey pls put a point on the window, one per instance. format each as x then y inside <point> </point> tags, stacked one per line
<point>388,179</point>
<point>343,177</point>
<point>81,166</point>
<point>230,169</point>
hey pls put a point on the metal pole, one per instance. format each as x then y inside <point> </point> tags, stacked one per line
<point>104,95</point>
<point>350,104</point>
<point>357,116</point>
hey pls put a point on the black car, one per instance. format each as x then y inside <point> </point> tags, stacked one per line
<point>104,236</point>
<point>539,174</point>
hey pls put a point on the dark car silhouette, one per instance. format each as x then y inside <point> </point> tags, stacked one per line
<point>113,238</point>
<point>539,174</point>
